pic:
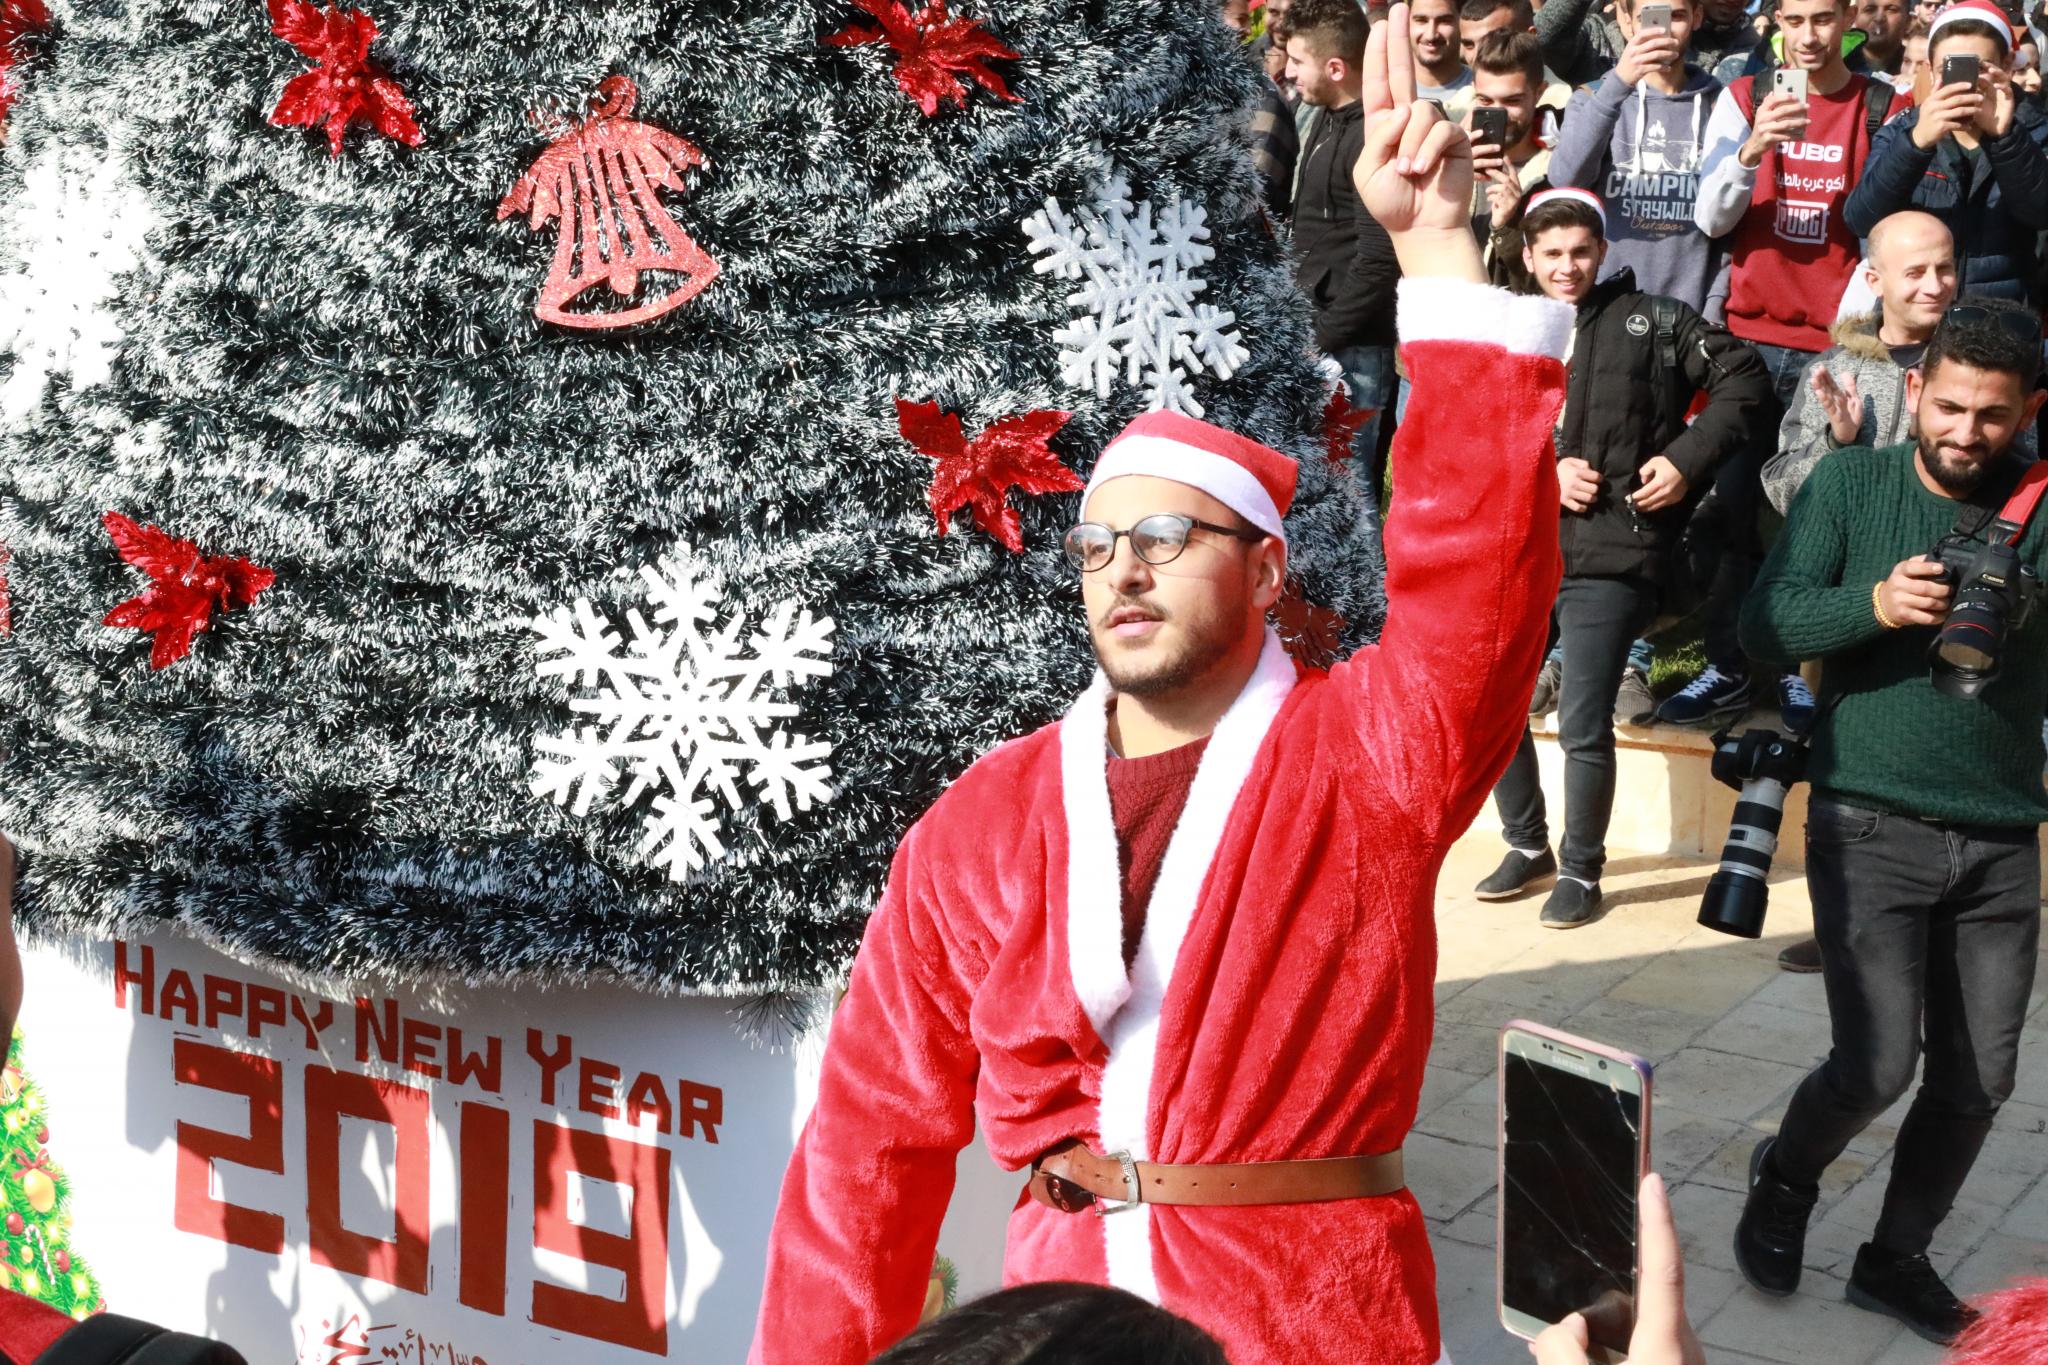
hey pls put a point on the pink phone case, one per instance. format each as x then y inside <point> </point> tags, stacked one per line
<point>1643,1070</point>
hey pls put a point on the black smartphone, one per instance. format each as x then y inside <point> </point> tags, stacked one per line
<point>1654,16</point>
<point>1490,125</point>
<point>1961,68</point>
<point>1574,1147</point>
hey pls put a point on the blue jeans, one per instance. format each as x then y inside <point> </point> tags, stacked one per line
<point>1369,371</point>
<point>1787,366</point>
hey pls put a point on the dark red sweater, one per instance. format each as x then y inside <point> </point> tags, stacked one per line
<point>1146,797</point>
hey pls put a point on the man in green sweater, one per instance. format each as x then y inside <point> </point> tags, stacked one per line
<point>1922,837</point>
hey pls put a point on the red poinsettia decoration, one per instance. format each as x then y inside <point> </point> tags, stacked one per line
<point>978,474</point>
<point>1341,425</point>
<point>18,19</point>
<point>187,588</point>
<point>1312,634</point>
<point>933,50</point>
<point>344,87</point>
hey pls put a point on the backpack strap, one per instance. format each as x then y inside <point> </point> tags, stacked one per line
<point>1664,318</point>
<point>1877,105</point>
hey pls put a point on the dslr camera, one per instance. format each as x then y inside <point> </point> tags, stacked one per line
<point>1762,765</point>
<point>1995,592</point>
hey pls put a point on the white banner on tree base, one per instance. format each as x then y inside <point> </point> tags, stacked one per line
<point>480,1176</point>
<point>448,1177</point>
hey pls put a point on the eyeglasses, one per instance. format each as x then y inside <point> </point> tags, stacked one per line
<point>2020,326</point>
<point>1157,539</point>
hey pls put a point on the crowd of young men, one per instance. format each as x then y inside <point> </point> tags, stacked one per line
<point>1803,253</point>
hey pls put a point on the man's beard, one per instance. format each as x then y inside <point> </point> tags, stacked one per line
<point>1156,674</point>
<point>1956,475</point>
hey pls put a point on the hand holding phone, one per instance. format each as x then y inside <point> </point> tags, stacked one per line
<point>1781,116</point>
<point>1574,1148</point>
<point>1953,104</point>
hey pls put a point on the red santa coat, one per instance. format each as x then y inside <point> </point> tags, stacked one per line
<point>1281,1003</point>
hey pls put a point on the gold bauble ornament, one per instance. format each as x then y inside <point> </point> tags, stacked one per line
<point>40,1190</point>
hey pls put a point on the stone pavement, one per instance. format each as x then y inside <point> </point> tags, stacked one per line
<point>1730,1036</point>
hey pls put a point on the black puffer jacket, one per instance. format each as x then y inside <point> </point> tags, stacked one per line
<point>1346,262</point>
<point>1624,405</point>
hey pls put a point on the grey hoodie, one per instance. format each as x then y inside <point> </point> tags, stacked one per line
<point>1640,150</point>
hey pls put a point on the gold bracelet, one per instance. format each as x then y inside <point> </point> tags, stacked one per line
<point>1877,605</point>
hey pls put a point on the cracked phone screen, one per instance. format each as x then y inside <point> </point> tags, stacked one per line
<point>1568,1197</point>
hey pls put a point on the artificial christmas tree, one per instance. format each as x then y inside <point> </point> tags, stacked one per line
<point>609,631</point>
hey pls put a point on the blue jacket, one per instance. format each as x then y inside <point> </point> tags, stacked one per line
<point>1996,207</point>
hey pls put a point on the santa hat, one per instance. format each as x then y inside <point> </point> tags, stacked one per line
<point>1252,480</point>
<point>2012,1331</point>
<point>1983,11</point>
<point>1585,197</point>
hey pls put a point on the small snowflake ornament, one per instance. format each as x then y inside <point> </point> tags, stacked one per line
<point>77,226</point>
<point>1137,296</point>
<point>687,709</point>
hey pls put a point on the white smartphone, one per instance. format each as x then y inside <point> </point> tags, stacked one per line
<point>1654,16</point>
<point>1791,81</point>
<point>1574,1148</point>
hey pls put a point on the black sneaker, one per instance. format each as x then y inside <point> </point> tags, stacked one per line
<point>1571,904</point>
<point>1770,1239</point>
<point>1544,699</point>
<point>1802,957</point>
<point>1910,1289</point>
<point>1633,704</point>
<point>1709,697</point>
<point>1515,874</point>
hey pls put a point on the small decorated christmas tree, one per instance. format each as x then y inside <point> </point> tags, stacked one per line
<point>36,1254</point>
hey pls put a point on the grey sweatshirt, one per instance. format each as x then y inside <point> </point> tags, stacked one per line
<point>1640,150</point>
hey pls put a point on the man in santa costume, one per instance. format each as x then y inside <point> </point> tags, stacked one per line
<point>1176,951</point>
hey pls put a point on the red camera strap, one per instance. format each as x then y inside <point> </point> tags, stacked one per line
<point>2019,508</point>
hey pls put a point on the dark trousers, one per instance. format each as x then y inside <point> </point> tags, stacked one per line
<point>1597,619</point>
<point>1733,511</point>
<point>1925,931</point>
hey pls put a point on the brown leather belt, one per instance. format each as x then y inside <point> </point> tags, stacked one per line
<point>1071,1178</point>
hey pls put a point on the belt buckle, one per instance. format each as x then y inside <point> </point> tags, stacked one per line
<point>1132,1190</point>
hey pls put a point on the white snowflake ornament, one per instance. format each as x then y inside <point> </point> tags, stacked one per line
<point>78,224</point>
<point>1137,295</point>
<point>687,709</point>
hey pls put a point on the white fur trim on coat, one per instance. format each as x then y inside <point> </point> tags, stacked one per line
<point>1431,309</point>
<point>1126,1011</point>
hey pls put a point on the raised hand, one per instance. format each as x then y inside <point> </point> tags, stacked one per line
<point>1949,109</point>
<point>1779,119</point>
<point>1650,50</point>
<point>1414,172</point>
<point>1842,404</point>
<point>2000,102</point>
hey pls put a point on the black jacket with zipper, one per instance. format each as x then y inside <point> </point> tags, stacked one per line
<point>1624,406</point>
<point>1346,262</point>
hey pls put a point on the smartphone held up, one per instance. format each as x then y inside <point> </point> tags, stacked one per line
<point>1489,126</point>
<point>1574,1148</point>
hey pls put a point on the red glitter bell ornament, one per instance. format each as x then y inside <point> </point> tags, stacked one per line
<point>601,181</point>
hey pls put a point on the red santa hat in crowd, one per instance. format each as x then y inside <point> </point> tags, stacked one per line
<point>1253,480</point>
<point>1983,11</point>
<point>1568,194</point>
<point>2012,1331</point>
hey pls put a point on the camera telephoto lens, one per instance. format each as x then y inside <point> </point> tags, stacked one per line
<point>1762,766</point>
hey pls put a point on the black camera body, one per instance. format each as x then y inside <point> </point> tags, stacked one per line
<point>1762,766</point>
<point>1995,591</point>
